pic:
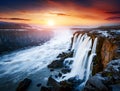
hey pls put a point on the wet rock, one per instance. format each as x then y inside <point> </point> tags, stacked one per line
<point>107,52</point>
<point>23,85</point>
<point>65,70</point>
<point>56,76</point>
<point>66,86</point>
<point>39,84</point>
<point>56,64</point>
<point>75,81</point>
<point>103,81</point>
<point>112,71</point>
<point>98,66</point>
<point>115,87</point>
<point>59,62</point>
<point>64,55</point>
<point>51,69</point>
<point>60,74</point>
<point>53,85</point>
<point>52,82</point>
<point>68,62</point>
<point>43,88</point>
<point>95,84</point>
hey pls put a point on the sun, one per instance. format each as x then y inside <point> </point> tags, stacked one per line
<point>50,23</point>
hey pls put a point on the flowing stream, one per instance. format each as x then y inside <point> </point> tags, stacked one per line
<point>32,61</point>
<point>29,62</point>
<point>84,51</point>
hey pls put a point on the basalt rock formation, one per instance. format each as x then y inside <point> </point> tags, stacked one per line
<point>106,50</point>
<point>23,85</point>
<point>107,80</point>
<point>105,68</point>
<point>59,63</point>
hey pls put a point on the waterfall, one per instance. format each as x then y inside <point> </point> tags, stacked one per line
<point>74,41</point>
<point>93,53</point>
<point>78,59</point>
<point>84,51</point>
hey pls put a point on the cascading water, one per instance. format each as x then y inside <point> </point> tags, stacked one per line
<point>80,68</point>
<point>93,53</point>
<point>32,62</point>
<point>74,41</point>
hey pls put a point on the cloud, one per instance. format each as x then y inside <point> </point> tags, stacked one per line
<point>117,18</point>
<point>19,19</point>
<point>83,16</point>
<point>85,3</point>
<point>60,14</point>
<point>18,5</point>
<point>113,12</point>
<point>97,10</point>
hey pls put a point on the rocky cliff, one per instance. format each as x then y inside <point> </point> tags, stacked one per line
<point>106,64</point>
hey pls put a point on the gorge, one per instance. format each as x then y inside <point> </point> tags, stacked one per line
<point>91,53</point>
<point>72,60</point>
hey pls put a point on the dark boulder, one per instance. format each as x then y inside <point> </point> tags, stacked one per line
<point>108,79</point>
<point>51,69</point>
<point>95,83</point>
<point>39,84</point>
<point>56,64</point>
<point>115,87</point>
<point>75,81</point>
<point>59,63</point>
<point>106,51</point>
<point>43,88</point>
<point>53,85</point>
<point>66,86</point>
<point>59,74</point>
<point>64,55</point>
<point>65,70</point>
<point>23,85</point>
<point>112,71</point>
<point>52,82</point>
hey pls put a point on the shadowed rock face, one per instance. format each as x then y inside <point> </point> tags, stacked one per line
<point>59,63</point>
<point>95,84</point>
<point>108,52</point>
<point>23,85</point>
<point>109,74</point>
<point>53,85</point>
<point>107,80</point>
<point>106,48</point>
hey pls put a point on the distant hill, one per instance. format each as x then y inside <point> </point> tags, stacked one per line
<point>103,28</point>
<point>14,36</point>
<point>112,27</point>
<point>10,25</point>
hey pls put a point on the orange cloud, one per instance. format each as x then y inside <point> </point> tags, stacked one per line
<point>65,12</point>
<point>19,19</point>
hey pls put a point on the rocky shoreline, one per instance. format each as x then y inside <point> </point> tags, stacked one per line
<point>106,66</point>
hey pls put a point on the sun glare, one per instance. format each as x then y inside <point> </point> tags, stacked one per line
<point>51,23</point>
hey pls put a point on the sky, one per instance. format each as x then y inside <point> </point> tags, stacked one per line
<point>61,12</point>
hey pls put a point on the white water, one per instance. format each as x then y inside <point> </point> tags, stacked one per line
<point>31,61</point>
<point>93,53</point>
<point>74,41</point>
<point>81,67</point>
<point>34,59</point>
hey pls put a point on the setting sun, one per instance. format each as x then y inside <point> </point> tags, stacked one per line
<point>51,23</point>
